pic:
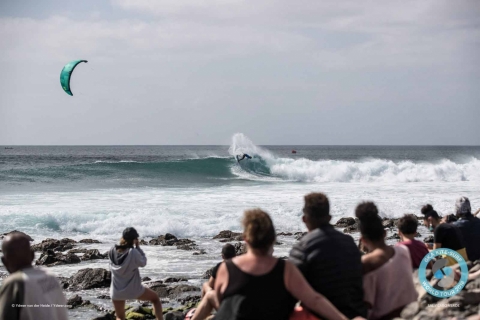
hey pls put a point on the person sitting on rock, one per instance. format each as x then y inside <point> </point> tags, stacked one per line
<point>228,252</point>
<point>469,227</point>
<point>27,285</point>
<point>257,285</point>
<point>387,280</point>
<point>445,235</point>
<point>329,259</point>
<point>125,259</point>
<point>407,229</point>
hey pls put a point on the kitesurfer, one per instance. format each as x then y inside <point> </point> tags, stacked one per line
<point>243,157</point>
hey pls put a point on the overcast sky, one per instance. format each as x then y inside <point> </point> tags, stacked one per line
<point>281,72</point>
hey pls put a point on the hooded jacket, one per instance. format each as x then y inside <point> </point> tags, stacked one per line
<point>126,282</point>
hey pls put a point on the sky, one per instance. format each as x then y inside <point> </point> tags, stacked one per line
<point>281,72</point>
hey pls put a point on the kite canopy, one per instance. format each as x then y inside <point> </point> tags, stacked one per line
<point>67,73</point>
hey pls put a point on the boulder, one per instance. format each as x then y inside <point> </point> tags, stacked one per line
<point>160,289</point>
<point>345,222</point>
<point>104,296</point>
<point>174,315</point>
<point>76,301</point>
<point>207,274</point>
<point>175,291</point>
<point>50,259</point>
<point>89,279</point>
<point>15,231</point>
<point>172,279</point>
<point>299,235</point>
<point>226,234</point>
<point>428,239</point>
<point>92,254</point>
<point>197,253</point>
<point>146,279</point>
<point>54,244</point>
<point>285,234</point>
<point>388,223</point>
<point>240,248</point>
<point>89,241</point>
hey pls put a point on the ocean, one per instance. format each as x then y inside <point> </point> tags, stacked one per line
<point>196,191</point>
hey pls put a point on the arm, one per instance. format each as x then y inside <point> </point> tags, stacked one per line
<point>298,256</point>
<point>300,289</point>
<point>11,294</point>
<point>208,286</point>
<point>140,257</point>
<point>476,212</point>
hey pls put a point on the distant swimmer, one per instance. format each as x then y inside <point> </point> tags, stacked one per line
<point>243,157</point>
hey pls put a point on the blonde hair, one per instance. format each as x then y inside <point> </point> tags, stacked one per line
<point>258,230</point>
<point>124,244</point>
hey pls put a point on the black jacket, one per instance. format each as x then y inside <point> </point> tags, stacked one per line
<point>331,263</point>
<point>470,229</point>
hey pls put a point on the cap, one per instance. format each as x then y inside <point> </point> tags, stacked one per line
<point>462,206</point>
<point>130,234</point>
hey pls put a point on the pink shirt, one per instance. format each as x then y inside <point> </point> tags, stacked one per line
<point>390,286</point>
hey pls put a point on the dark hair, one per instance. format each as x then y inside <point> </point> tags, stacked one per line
<point>450,218</point>
<point>427,211</point>
<point>228,251</point>
<point>426,208</point>
<point>258,230</point>
<point>316,206</point>
<point>371,226</point>
<point>124,244</point>
<point>408,224</point>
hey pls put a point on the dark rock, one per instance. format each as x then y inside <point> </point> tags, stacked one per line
<point>277,243</point>
<point>107,316</point>
<point>79,250</point>
<point>50,258</point>
<point>174,315</point>
<point>171,240</point>
<point>240,248</point>
<point>172,279</point>
<point>15,231</point>
<point>418,235</point>
<point>345,222</point>
<point>190,299</point>
<point>175,291</point>
<point>143,242</point>
<point>160,289</point>
<point>77,301</point>
<point>92,254</point>
<point>351,229</point>
<point>89,279</point>
<point>63,282</point>
<point>225,234</point>
<point>428,239</point>
<point>89,241</point>
<point>394,236</point>
<point>103,296</point>
<point>387,223</point>
<point>197,253</point>
<point>284,234</point>
<point>54,244</point>
<point>146,279</point>
<point>299,235</point>
<point>188,247</point>
<point>207,274</point>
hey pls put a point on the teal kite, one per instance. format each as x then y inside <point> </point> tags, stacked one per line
<point>67,73</point>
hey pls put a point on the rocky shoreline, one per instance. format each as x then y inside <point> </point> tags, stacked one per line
<point>178,294</point>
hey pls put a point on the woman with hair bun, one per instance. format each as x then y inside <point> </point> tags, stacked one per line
<point>258,286</point>
<point>387,281</point>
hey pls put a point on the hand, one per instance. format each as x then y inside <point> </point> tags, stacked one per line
<point>136,243</point>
